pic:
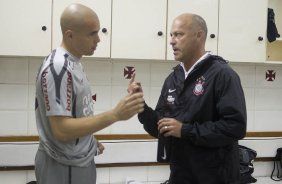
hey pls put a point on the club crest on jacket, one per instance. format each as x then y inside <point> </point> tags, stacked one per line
<point>199,89</point>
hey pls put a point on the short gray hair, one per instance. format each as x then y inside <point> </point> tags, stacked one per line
<point>201,23</point>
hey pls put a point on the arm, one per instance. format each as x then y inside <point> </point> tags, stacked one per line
<point>230,109</point>
<point>68,128</point>
<point>148,117</point>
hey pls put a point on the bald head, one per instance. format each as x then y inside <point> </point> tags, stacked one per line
<point>194,22</point>
<point>75,16</point>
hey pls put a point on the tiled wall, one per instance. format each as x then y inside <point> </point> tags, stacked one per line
<point>108,78</point>
<point>262,85</point>
<point>109,83</point>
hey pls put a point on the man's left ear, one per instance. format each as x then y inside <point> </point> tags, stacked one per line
<point>68,34</point>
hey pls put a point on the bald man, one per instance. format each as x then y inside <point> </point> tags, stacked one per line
<point>201,112</point>
<point>64,105</point>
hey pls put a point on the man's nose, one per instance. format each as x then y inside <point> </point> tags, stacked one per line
<point>172,41</point>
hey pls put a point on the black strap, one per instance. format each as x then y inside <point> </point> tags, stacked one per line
<point>279,178</point>
<point>165,182</point>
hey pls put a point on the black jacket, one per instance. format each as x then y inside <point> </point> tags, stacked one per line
<point>211,105</point>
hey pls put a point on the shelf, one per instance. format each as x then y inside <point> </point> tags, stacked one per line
<point>274,51</point>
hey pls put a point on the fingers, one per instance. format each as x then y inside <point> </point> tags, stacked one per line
<point>130,88</point>
<point>132,79</point>
<point>130,84</point>
<point>162,123</point>
<point>135,102</point>
<point>129,106</point>
<point>133,86</point>
<point>100,148</point>
<point>170,127</point>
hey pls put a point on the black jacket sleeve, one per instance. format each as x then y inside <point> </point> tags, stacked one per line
<point>149,119</point>
<point>230,107</point>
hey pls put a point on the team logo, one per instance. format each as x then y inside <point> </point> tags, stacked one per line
<point>199,89</point>
<point>270,75</point>
<point>164,157</point>
<point>128,71</point>
<point>94,98</point>
<point>170,99</point>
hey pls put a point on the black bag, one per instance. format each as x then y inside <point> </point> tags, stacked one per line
<point>278,164</point>
<point>246,158</point>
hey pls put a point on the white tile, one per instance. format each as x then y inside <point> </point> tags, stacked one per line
<point>31,97</point>
<point>118,92</point>
<point>103,175</point>
<point>158,173</point>
<point>268,121</point>
<point>261,80</point>
<point>13,177</point>
<point>103,97</point>
<point>250,98</point>
<point>128,151</point>
<point>98,72</point>
<point>146,93</point>
<point>119,174</point>
<point>268,99</point>
<point>34,65</point>
<point>141,70</point>
<point>265,147</point>
<point>31,125</point>
<point>13,123</point>
<point>31,176</point>
<point>155,93</point>
<point>266,180</point>
<point>13,70</point>
<point>131,126</point>
<point>250,121</point>
<point>106,130</point>
<point>18,153</point>
<point>262,169</point>
<point>13,96</point>
<point>160,71</point>
<point>247,74</point>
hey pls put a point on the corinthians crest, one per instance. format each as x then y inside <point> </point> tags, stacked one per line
<point>199,89</point>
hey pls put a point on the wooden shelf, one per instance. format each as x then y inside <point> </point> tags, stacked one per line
<point>125,137</point>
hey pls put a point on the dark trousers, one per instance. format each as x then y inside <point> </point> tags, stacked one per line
<point>181,175</point>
